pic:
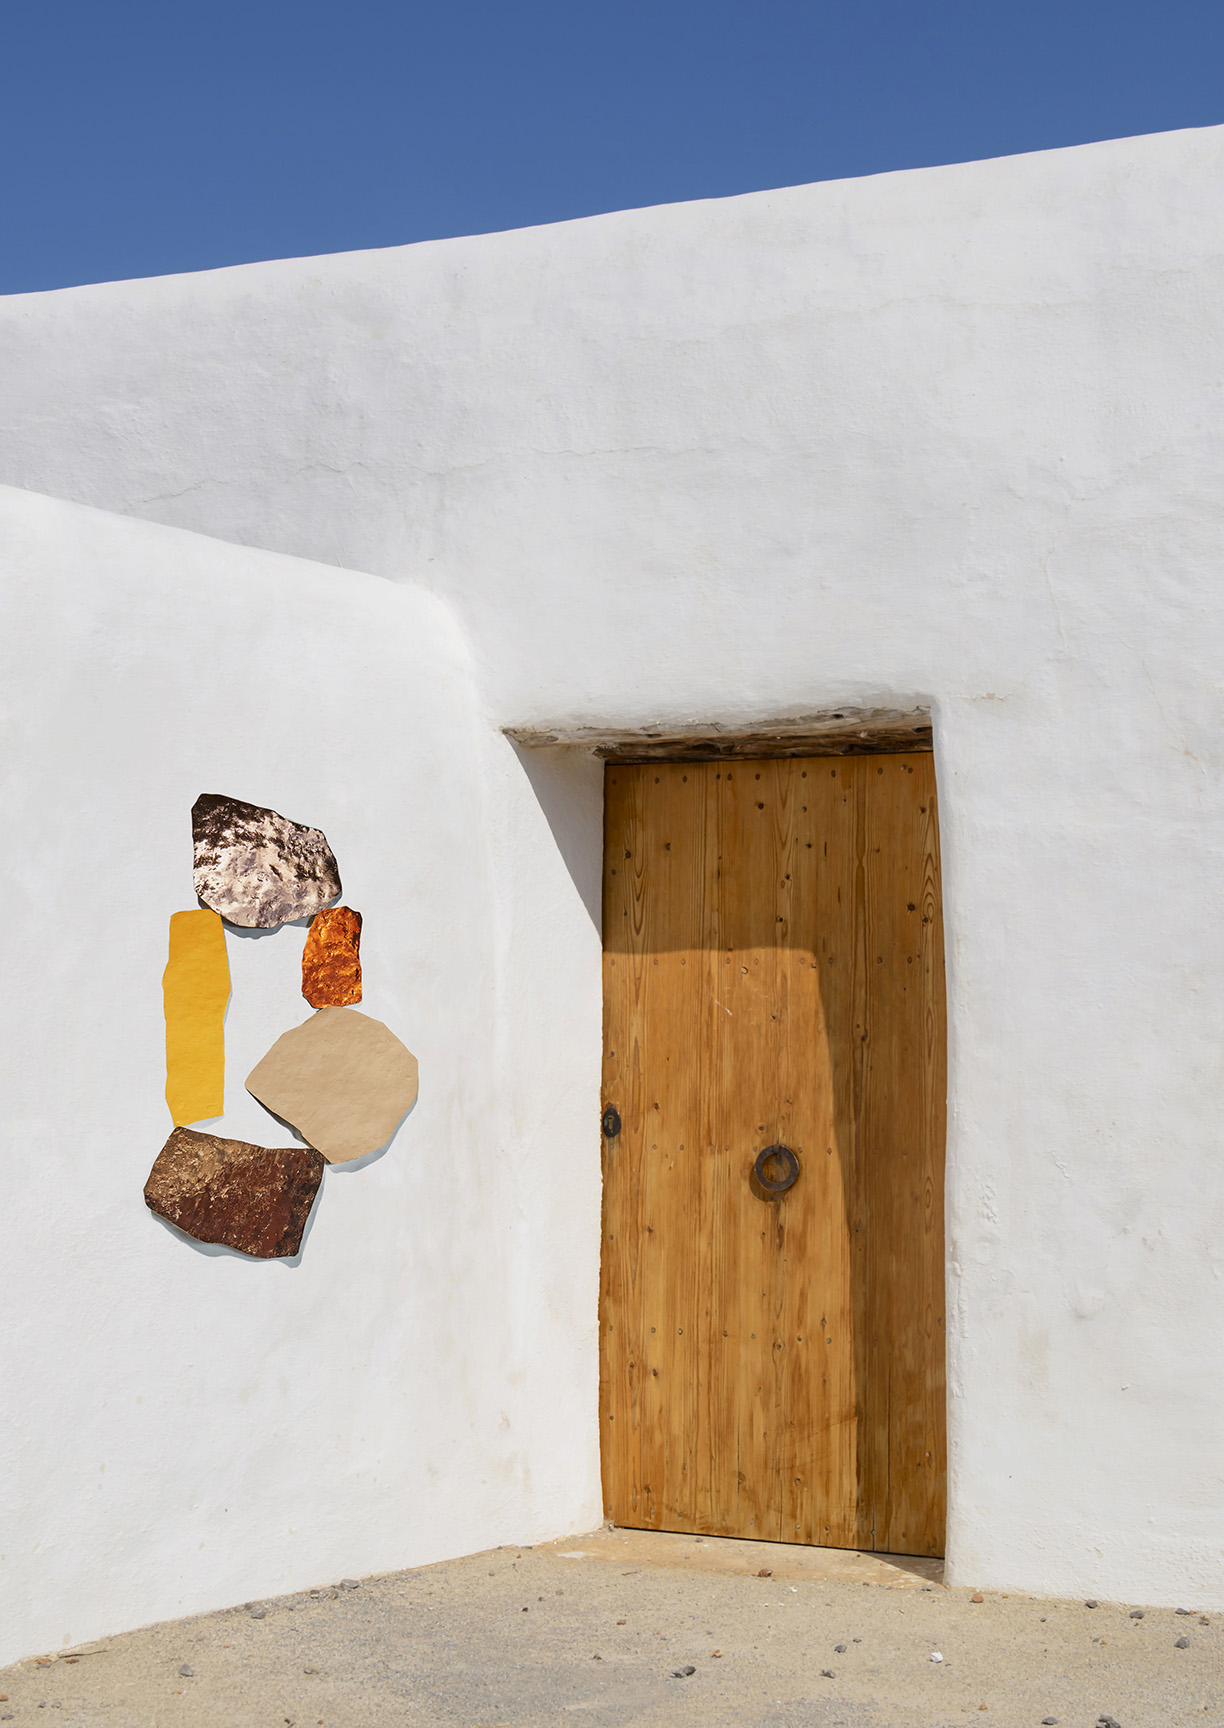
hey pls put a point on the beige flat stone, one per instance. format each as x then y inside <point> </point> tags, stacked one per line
<point>343,1080</point>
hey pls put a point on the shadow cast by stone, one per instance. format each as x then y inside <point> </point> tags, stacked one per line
<point>287,1126</point>
<point>354,1164</point>
<point>252,932</point>
<point>351,1165</point>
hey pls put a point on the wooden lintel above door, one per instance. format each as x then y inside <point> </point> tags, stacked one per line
<point>835,732</point>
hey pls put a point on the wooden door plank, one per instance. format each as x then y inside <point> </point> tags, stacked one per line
<point>790,1407</point>
<point>898,1104</point>
<point>656,908</point>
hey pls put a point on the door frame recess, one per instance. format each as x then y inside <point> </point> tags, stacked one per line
<point>845,730</point>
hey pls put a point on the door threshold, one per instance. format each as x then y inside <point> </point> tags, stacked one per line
<point>783,1560</point>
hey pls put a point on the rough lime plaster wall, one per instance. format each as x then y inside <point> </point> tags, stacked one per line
<point>950,438</point>
<point>180,1427</point>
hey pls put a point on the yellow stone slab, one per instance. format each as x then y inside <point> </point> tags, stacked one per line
<point>196,988</point>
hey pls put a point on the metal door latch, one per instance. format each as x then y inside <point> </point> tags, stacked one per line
<point>785,1166</point>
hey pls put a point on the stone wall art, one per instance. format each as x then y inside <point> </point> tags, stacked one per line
<point>255,1198</point>
<point>331,959</point>
<point>196,991</point>
<point>344,1081</point>
<point>255,867</point>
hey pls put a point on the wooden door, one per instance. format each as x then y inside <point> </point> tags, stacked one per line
<point>772,1364</point>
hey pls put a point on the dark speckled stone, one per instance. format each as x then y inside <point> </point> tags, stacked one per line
<point>255,867</point>
<point>253,1198</point>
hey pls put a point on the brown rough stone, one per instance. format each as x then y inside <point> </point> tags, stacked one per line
<point>331,959</point>
<point>257,868</point>
<point>253,1198</point>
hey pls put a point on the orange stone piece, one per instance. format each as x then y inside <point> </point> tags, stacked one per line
<point>331,959</point>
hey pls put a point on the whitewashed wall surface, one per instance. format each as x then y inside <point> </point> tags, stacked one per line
<point>184,1427</point>
<point>950,439</point>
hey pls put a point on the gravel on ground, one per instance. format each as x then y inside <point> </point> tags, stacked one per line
<point>626,1630</point>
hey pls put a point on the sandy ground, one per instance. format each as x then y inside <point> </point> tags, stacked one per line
<point>621,1628</point>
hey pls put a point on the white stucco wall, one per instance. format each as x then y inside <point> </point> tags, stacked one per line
<point>182,1428</point>
<point>952,437</point>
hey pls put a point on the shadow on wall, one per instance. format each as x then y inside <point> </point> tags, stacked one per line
<point>568,785</point>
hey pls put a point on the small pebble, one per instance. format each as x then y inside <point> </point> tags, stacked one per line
<point>840,1649</point>
<point>935,1656</point>
<point>715,1652</point>
<point>355,1583</point>
<point>1091,1604</point>
<point>1049,1722</point>
<point>187,1672</point>
<point>1136,1613</point>
<point>1182,1644</point>
<point>683,1673</point>
<point>827,1674</point>
<point>977,1596</point>
<point>259,1613</point>
<point>1107,1722</point>
<point>765,1572</point>
<point>621,1622</point>
<point>1183,1610</point>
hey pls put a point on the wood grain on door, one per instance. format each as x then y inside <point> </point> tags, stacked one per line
<point>773,1365</point>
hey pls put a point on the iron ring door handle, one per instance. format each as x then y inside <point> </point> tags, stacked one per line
<point>790,1164</point>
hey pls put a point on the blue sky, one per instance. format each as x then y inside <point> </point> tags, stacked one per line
<point>142,137</point>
